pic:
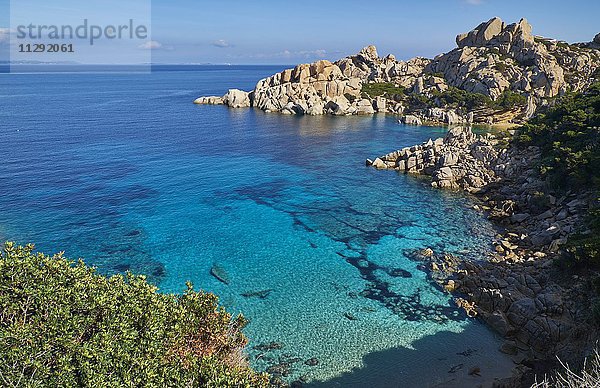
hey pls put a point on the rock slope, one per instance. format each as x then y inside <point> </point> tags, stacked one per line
<point>519,292</point>
<point>490,60</point>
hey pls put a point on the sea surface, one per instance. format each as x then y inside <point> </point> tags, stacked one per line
<point>123,170</point>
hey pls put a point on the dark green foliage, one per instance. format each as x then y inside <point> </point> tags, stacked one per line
<point>509,100</point>
<point>419,101</point>
<point>458,98</point>
<point>584,248</point>
<point>569,137</point>
<point>63,325</point>
<point>388,90</point>
<point>501,67</point>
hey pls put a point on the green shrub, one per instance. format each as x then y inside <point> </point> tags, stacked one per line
<point>458,98</point>
<point>501,67</point>
<point>509,100</point>
<point>385,89</point>
<point>63,325</point>
<point>568,135</point>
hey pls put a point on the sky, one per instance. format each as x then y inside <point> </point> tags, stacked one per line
<point>285,32</point>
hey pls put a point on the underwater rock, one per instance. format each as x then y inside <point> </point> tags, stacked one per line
<point>123,267</point>
<point>257,294</point>
<point>350,317</point>
<point>281,369</point>
<point>220,274</point>
<point>399,272</point>
<point>475,371</point>
<point>268,346</point>
<point>312,362</point>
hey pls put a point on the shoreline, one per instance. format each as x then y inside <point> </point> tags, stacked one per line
<point>519,293</point>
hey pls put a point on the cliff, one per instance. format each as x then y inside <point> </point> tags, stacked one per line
<point>497,73</point>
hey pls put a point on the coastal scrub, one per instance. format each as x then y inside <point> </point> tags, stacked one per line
<point>63,325</point>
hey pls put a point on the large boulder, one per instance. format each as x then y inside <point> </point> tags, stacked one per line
<point>339,106</point>
<point>411,120</point>
<point>236,98</point>
<point>369,53</point>
<point>209,100</point>
<point>364,107</point>
<point>460,137</point>
<point>482,34</point>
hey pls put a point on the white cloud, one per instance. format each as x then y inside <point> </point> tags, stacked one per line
<point>221,43</point>
<point>474,2</point>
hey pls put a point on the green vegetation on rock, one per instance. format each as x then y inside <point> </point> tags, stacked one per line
<point>384,89</point>
<point>458,98</point>
<point>509,100</point>
<point>569,136</point>
<point>63,325</point>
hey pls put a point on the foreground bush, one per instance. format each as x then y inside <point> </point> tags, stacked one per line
<point>63,325</point>
<point>589,377</point>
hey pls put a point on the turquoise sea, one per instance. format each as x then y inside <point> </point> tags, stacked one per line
<point>123,170</point>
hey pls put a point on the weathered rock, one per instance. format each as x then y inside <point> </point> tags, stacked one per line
<point>518,218</point>
<point>236,98</point>
<point>380,105</point>
<point>510,348</point>
<point>482,34</point>
<point>379,164</point>
<point>364,107</point>
<point>411,120</point>
<point>209,100</point>
<point>449,159</point>
<point>498,322</point>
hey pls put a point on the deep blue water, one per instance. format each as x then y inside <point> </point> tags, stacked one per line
<point>124,171</point>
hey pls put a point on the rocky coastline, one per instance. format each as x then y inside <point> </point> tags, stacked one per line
<point>519,291</point>
<point>498,73</point>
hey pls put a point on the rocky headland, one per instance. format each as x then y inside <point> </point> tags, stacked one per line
<point>498,73</point>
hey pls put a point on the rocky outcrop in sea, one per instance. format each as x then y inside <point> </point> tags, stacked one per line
<point>490,60</point>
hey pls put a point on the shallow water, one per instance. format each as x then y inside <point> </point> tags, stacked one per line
<point>123,170</point>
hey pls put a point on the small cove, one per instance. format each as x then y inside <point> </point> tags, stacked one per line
<point>123,170</point>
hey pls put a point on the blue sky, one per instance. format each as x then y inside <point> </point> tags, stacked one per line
<point>285,32</point>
